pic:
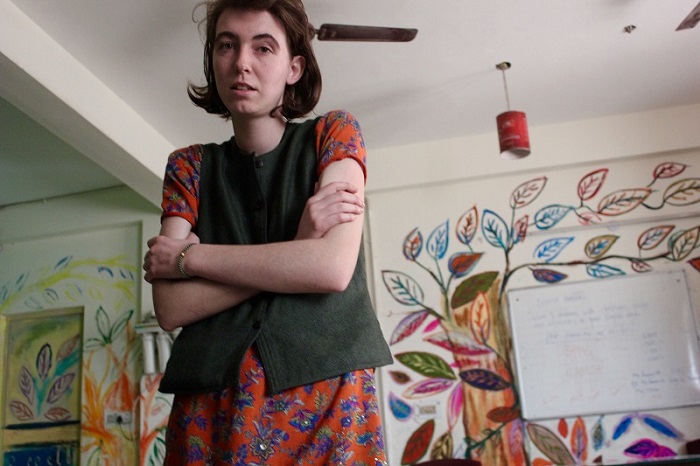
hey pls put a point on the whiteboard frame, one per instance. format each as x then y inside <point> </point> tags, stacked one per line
<point>524,384</point>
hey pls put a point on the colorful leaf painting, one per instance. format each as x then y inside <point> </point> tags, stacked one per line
<point>648,448</point>
<point>467,226</point>
<point>603,271</point>
<point>21,411</point>
<point>548,275</point>
<point>59,387</point>
<point>480,318</point>
<point>598,434</point>
<point>668,170</point>
<point>462,263</point>
<point>579,440</point>
<point>484,380</point>
<point>427,387</point>
<point>548,216</point>
<point>26,384</point>
<point>458,343</point>
<point>520,229</point>
<point>640,266</point>
<point>426,364</point>
<point>591,183</point>
<point>600,245</point>
<point>418,443</point>
<point>549,444</point>
<point>695,262</point>
<point>662,426</point>
<point>548,250</point>
<point>495,230</point>
<point>455,403</point>
<point>653,236</point>
<point>408,326</point>
<point>622,427</point>
<point>622,201</point>
<point>527,192</point>
<point>57,414</point>
<point>400,377</point>
<point>504,414</point>
<point>44,361</point>
<point>413,244</point>
<point>443,446</point>
<point>469,288</point>
<point>563,427</point>
<point>402,287</point>
<point>438,241</point>
<point>683,192</point>
<point>399,408</point>
<point>683,243</point>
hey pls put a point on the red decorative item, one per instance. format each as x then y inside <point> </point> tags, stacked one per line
<point>513,135</point>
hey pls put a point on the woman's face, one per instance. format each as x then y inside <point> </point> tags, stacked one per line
<point>252,62</point>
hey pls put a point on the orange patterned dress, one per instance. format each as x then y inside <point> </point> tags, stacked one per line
<point>331,422</point>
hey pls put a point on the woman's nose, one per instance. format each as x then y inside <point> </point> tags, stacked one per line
<point>242,62</point>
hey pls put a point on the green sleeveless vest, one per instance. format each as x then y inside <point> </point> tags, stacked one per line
<point>301,338</point>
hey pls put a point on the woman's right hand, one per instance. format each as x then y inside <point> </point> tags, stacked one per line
<point>331,205</point>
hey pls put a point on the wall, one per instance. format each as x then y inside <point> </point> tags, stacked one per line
<point>85,251</point>
<point>451,228</point>
<point>48,232</point>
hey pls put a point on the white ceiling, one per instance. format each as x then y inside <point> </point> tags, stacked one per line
<point>571,60</point>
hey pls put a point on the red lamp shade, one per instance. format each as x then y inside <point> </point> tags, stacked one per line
<point>512,134</point>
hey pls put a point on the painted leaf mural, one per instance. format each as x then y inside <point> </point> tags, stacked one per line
<point>550,445</point>
<point>651,238</point>
<point>474,383</point>
<point>591,183</point>
<point>527,192</point>
<point>426,364</point>
<point>669,170</point>
<point>683,192</point>
<point>467,226</point>
<point>413,244</point>
<point>623,201</point>
<point>408,326</point>
<point>403,288</point>
<point>437,242</point>
<point>418,443</point>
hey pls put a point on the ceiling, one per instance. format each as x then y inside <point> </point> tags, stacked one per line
<point>571,60</point>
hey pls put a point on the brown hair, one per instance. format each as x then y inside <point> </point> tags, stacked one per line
<point>299,99</point>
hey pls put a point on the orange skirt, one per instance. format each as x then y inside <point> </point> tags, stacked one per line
<point>331,422</point>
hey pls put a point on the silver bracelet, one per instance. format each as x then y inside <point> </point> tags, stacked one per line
<point>180,258</point>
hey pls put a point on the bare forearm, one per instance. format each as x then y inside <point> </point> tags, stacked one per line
<point>306,266</point>
<point>182,302</point>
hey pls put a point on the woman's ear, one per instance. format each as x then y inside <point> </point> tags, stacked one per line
<point>296,69</point>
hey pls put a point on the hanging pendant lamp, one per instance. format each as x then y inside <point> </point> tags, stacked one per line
<point>513,136</point>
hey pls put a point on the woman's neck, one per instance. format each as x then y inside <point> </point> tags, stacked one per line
<point>258,136</point>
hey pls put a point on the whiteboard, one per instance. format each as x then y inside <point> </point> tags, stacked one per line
<point>611,345</point>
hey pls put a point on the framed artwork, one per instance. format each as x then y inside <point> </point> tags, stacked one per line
<point>40,381</point>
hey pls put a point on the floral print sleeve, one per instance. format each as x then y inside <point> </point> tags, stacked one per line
<point>339,136</point>
<point>181,184</point>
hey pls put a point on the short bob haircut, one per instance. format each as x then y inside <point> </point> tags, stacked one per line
<point>300,98</point>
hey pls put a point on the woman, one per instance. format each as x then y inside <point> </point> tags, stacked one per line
<point>259,260</point>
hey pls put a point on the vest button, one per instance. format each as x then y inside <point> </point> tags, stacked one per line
<point>258,163</point>
<point>259,205</point>
<point>257,324</point>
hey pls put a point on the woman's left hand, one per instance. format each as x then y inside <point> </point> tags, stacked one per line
<point>160,262</point>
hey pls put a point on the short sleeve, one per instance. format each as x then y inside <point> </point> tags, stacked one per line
<point>339,136</point>
<point>181,184</point>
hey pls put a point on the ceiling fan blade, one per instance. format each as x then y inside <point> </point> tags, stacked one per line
<point>691,20</point>
<point>345,32</point>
